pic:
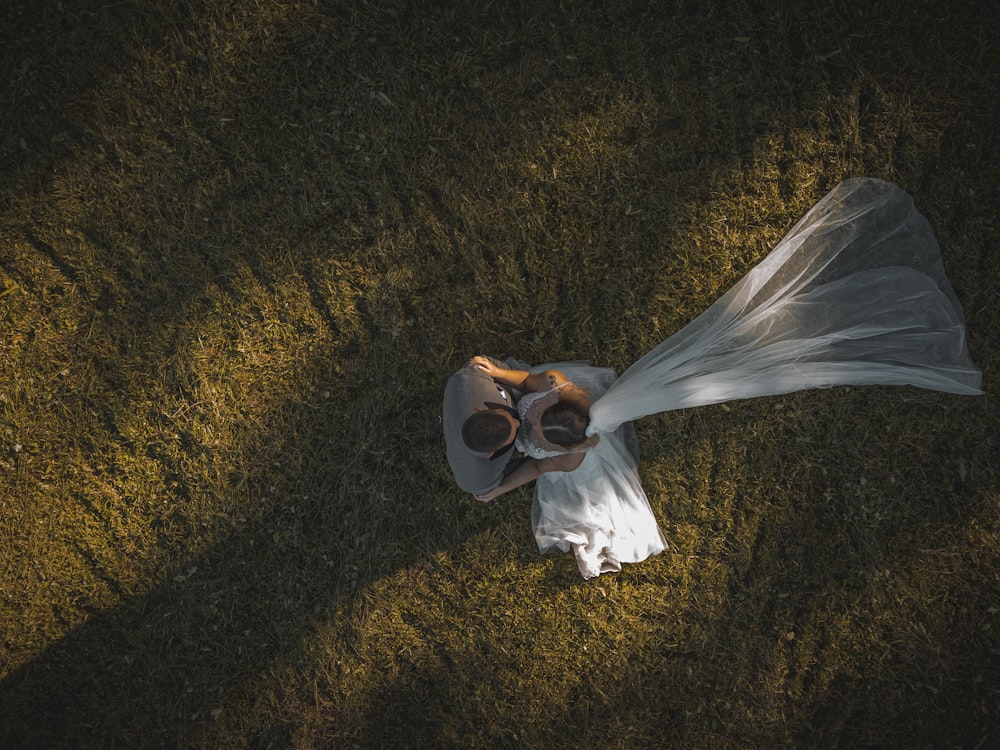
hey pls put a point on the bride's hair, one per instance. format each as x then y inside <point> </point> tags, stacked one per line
<point>565,423</point>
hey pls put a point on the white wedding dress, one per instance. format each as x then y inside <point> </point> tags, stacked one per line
<point>599,510</point>
<point>854,294</point>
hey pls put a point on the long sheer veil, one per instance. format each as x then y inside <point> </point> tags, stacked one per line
<point>854,294</point>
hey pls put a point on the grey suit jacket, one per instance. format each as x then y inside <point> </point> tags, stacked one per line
<point>467,390</point>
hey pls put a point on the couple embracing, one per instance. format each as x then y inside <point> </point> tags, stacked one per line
<point>855,294</point>
<point>588,497</point>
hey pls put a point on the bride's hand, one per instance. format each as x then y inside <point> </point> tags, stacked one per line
<point>483,364</point>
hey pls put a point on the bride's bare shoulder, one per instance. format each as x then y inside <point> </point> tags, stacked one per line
<point>554,378</point>
<point>545,380</point>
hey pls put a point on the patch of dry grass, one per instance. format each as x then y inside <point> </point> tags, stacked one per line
<point>242,246</point>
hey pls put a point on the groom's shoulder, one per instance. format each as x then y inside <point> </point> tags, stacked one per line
<point>466,389</point>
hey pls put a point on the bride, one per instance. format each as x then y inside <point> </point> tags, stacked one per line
<point>854,294</point>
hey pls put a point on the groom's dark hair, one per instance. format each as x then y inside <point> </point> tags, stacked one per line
<point>486,431</point>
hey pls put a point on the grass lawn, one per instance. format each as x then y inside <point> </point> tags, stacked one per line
<point>243,244</point>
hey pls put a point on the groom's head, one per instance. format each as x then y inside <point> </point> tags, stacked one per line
<point>489,430</point>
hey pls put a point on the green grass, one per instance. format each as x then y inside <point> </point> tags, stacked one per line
<point>243,245</point>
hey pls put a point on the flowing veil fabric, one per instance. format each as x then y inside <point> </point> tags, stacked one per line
<point>854,294</point>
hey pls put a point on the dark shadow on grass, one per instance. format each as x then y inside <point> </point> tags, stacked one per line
<point>53,56</point>
<point>150,672</point>
<point>803,642</point>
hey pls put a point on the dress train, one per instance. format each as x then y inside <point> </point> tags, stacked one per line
<point>854,294</point>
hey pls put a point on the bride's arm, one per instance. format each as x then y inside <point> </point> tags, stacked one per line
<point>532,469</point>
<point>528,382</point>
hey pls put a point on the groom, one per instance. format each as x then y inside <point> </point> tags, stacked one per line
<point>480,448</point>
